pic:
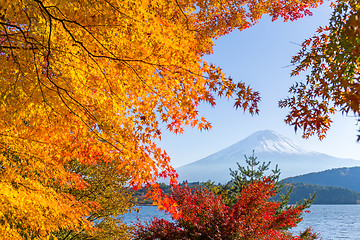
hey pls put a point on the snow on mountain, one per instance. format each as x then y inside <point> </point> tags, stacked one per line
<point>269,141</point>
<point>268,146</point>
<point>266,141</point>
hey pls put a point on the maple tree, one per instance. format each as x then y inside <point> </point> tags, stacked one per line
<point>331,59</point>
<point>109,189</point>
<point>251,214</point>
<point>92,81</point>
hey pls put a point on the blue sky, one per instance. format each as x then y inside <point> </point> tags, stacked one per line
<point>260,56</point>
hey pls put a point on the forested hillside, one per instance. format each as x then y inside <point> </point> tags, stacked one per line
<point>340,177</point>
<point>324,194</point>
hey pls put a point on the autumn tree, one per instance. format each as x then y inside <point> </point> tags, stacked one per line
<point>92,81</point>
<point>109,189</point>
<point>331,61</point>
<point>205,216</point>
<point>242,209</point>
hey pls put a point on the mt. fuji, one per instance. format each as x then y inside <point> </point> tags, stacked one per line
<point>268,146</point>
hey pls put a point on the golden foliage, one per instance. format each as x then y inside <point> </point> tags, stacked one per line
<point>93,80</point>
<point>107,187</point>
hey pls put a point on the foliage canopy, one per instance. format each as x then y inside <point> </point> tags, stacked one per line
<point>92,80</point>
<point>332,60</point>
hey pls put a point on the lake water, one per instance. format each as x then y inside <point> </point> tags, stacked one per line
<point>331,221</point>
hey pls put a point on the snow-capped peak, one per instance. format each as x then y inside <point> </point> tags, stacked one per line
<point>268,146</point>
<point>269,141</point>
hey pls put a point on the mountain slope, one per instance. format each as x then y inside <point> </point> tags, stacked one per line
<point>324,194</point>
<point>268,146</point>
<point>340,177</point>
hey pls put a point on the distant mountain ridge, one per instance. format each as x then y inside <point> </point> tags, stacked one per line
<point>340,177</point>
<point>268,146</point>
<point>324,194</point>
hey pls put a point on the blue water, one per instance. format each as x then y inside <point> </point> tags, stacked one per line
<point>331,221</point>
<point>146,213</point>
